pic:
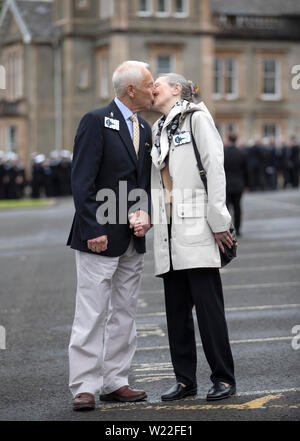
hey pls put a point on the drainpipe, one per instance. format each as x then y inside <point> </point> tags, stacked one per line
<point>58,95</point>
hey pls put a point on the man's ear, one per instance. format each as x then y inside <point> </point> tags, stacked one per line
<point>130,90</point>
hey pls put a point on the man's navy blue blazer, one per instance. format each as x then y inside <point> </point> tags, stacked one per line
<point>103,157</point>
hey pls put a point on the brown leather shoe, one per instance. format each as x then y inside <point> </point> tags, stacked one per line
<point>84,401</point>
<point>124,394</point>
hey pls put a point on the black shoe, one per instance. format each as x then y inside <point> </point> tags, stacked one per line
<point>219,391</point>
<point>178,391</point>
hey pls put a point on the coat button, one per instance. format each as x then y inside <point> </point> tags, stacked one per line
<point>166,240</point>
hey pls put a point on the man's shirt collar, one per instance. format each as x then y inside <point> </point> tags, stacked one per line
<point>127,113</point>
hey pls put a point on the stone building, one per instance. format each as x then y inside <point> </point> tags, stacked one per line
<point>59,56</point>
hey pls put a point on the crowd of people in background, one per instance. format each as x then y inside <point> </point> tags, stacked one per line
<point>269,166</point>
<point>49,177</point>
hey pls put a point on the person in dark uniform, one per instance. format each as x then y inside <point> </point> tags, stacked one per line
<point>294,162</point>
<point>37,182</point>
<point>10,176</point>
<point>236,170</point>
<point>256,166</point>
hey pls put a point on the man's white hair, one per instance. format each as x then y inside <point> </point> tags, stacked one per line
<point>128,72</point>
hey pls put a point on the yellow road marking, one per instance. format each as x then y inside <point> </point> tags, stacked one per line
<point>258,403</point>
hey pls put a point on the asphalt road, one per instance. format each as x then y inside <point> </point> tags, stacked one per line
<point>261,288</point>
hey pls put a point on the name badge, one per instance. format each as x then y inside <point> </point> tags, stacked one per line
<point>182,138</point>
<point>111,123</point>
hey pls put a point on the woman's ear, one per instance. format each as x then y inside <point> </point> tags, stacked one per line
<point>177,90</point>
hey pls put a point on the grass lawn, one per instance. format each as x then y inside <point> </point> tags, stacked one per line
<point>25,203</point>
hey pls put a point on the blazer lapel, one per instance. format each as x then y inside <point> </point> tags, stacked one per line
<point>124,132</point>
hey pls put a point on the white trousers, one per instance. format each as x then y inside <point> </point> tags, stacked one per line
<point>103,338</point>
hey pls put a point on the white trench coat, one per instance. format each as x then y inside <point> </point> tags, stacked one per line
<point>195,216</point>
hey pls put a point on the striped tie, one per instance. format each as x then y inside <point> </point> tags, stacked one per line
<point>136,133</point>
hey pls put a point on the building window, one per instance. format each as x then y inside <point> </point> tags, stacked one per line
<point>82,4</point>
<point>84,77</point>
<point>271,130</point>
<point>2,77</point>
<point>106,8</point>
<point>226,78</point>
<point>11,139</point>
<point>218,77</point>
<point>163,8</point>
<point>226,128</point>
<point>2,139</point>
<point>181,8</point>
<point>164,64</point>
<point>145,8</point>
<point>103,75</point>
<point>271,87</point>
<point>14,75</point>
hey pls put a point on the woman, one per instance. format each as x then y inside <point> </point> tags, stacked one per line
<point>189,228</point>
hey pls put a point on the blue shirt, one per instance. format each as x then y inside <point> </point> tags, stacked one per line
<point>127,113</point>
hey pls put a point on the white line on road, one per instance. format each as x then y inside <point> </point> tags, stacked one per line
<point>260,268</point>
<point>250,340</point>
<point>232,287</point>
<point>232,309</point>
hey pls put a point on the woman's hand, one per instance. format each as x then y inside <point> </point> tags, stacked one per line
<point>141,223</point>
<point>224,237</point>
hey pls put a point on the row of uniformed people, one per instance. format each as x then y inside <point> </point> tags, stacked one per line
<point>266,164</point>
<point>49,177</point>
<point>271,165</point>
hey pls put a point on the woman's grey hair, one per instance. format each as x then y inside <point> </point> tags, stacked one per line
<point>188,88</point>
<point>128,72</point>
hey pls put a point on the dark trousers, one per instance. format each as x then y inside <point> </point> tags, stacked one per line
<point>203,288</point>
<point>234,200</point>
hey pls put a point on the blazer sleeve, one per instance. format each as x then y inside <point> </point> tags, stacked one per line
<point>87,155</point>
<point>211,151</point>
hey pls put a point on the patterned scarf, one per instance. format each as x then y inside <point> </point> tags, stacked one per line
<point>172,128</point>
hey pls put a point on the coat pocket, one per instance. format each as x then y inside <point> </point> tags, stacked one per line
<point>191,226</point>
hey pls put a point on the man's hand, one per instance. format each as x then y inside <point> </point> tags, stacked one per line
<point>140,221</point>
<point>98,245</point>
<point>224,237</point>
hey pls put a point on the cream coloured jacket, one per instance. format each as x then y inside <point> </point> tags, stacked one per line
<point>195,215</point>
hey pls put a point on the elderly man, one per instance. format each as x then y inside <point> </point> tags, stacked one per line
<point>111,156</point>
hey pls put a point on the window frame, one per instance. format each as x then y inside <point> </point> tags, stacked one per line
<point>172,63</point>
<point>277,80</point>
<point>166,13</point>
<point>186,10</point>
<point>149,11</point>
<point>223,71</point>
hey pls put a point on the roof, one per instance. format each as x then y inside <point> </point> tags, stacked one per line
<point>34,18</point>
<point>38,17</point>
<point>256,7</point>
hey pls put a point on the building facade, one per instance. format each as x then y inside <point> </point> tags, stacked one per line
<point>59,57</point>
